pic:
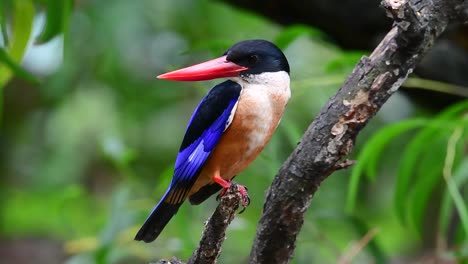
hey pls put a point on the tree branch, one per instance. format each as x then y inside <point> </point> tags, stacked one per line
<point>332,134</point>
<point>173,260</point>
<point>215,230</point>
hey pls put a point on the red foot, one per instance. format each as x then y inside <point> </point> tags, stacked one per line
<point>245,197</point>
<point>240,188</point>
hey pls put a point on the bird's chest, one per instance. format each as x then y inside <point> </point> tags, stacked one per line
<point>257,116</point>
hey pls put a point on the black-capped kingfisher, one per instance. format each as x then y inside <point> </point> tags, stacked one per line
<point>228,129</point>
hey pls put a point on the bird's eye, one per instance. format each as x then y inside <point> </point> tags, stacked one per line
<point>253,59</point>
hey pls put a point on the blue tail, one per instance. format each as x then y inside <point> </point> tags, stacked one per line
<point>157,220</point>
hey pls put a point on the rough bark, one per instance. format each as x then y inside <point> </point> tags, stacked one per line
<point>214,234</point>
<point>215,230</point>
<point>332,134</point>
<point>173,260</point>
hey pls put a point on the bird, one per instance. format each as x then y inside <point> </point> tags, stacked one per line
<point>228,129</point>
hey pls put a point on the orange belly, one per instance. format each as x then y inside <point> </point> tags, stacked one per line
<point>251,129</point>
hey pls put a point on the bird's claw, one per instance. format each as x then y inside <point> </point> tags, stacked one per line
<point>245,199</point>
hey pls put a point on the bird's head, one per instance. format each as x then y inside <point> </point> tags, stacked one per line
<point>246,58</point>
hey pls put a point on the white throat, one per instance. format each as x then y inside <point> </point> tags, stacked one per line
<point>261,104</point>
<point>268,83</point>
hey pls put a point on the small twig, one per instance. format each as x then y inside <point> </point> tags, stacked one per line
<point>436,86</point>
<point>215,229</point>
<point>356,248</point>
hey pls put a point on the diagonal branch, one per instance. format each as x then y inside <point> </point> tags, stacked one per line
<point>215,230</point>
<point>214,234</point>
<point>331,136</point>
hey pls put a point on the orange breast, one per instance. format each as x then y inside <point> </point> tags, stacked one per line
<point>252,127</point>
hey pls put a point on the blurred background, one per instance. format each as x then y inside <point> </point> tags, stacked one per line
<point>88,135</point>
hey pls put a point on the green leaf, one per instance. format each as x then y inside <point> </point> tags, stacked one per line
<point>409,160</point>
<point>58,13</point>
<point>436,86</point>
<point>16,69</point>
<point>411,154</point>
<point>291,33</point>
<point>459,204</point>
<point>428,170</point>
<point>369,157</point>
<point>21,28</point>
<point>459,179</point>
<point>384,138</point>
<point>5,7</point>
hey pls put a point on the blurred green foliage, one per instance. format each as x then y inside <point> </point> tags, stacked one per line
<point>88,139</point>
<point>438,149</point>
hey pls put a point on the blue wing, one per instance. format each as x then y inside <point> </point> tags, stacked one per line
<point>204,130</point>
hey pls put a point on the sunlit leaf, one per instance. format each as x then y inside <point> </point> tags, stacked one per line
<point>21,30</point>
